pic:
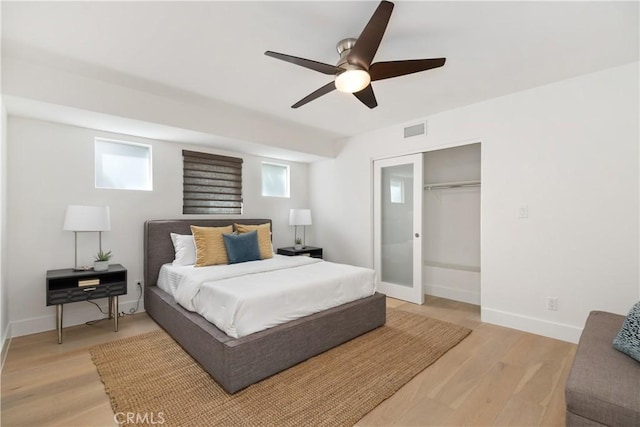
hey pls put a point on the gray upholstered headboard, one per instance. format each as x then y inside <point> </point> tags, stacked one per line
<point>158,248</point>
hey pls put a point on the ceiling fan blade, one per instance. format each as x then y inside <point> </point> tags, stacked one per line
<point>387,70</point>
<point>307,63</point>
<point>367,97</point>
<point>367,45</point>
<point>317,94</point>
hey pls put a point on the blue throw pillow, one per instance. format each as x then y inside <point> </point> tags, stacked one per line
<point>242,247</point>
<point>628,339</point>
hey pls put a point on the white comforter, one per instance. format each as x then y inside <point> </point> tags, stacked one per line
<point>241,299</point>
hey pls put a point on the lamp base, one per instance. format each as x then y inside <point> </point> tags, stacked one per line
<point>83,268</point>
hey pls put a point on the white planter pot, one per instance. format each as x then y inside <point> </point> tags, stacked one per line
<point>100,265</point>
<point>297,247</point>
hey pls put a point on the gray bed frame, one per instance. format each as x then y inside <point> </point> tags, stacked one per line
<point>236,363</point>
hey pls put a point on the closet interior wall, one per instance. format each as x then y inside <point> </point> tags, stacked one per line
<point>451,223</point>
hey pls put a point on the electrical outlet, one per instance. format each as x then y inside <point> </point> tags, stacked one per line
<point>523,212</point>
<point>552,303</point>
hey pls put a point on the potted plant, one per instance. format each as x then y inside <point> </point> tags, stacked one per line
<point>298,244</point>
<point>102,261</point>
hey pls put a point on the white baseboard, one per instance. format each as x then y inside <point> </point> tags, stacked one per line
<point>531,324</point>
<point>452,293</point>
<point>75,313</point>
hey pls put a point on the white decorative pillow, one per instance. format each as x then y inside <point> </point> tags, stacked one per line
<point>185,249</point>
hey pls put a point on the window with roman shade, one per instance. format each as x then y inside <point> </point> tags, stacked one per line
<point>212,184</point>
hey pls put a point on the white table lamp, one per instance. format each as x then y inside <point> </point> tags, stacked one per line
<point>300,217</point>
<point>86,218</point>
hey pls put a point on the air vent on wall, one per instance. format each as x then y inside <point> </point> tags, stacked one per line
<point>415,130</point>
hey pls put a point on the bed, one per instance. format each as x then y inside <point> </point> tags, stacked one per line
<point>236,363</point>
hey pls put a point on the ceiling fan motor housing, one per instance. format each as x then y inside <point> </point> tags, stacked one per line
<point>344,48</point>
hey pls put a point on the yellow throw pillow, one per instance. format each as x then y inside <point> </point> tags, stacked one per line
<point>264,237</point>
<point>210,249</point>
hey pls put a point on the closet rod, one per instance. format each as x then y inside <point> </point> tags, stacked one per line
<point>457,184</point>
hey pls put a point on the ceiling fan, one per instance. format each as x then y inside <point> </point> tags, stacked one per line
<point>354,71</point>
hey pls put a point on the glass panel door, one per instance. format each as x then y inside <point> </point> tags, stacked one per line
<point>398,226</point>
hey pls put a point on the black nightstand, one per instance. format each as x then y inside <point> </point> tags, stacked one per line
<point>311,251</point>
<point>67,285</point>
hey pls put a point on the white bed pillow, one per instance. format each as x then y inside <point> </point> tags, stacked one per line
<point>185,249</point>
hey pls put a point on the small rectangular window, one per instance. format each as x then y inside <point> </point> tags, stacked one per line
<point>275,180</point>
<point>123,165</point>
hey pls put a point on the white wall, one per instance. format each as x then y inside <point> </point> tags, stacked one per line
<point>51,166</point>
<point>4,300</point>
<point>569,152</point>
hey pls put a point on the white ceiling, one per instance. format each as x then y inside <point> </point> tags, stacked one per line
<point>216,50</point>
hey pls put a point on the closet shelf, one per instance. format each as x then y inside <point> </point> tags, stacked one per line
<point>456,184</point>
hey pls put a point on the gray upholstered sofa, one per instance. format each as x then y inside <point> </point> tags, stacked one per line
<point>603,387</point>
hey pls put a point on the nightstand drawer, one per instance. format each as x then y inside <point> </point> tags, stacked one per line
<point>84,293</point>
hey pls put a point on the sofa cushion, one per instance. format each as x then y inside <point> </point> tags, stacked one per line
<point>603,385</point>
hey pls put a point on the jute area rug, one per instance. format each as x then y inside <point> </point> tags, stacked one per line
<point>152,377</point>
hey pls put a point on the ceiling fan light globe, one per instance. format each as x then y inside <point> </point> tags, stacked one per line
<point>352,81</point>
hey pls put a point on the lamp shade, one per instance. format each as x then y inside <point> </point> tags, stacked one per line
<point>300,217</point>
<point>87,218</point>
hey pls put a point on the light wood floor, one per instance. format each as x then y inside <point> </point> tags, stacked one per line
<point>496,376</point>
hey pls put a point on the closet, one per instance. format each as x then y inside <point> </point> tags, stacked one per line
<point>426,217</point>
<point>451,223</point>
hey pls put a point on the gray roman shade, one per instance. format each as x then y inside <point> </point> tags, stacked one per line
<point>212,184</point>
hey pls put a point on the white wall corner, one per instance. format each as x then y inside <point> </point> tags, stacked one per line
<point>5,328</point>
<point>6,343</point>
<point>6,334</point>
<point>533,325</point>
